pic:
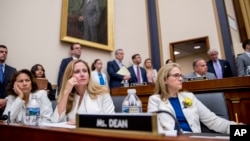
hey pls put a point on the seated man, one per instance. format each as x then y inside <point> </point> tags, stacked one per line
<point>200,70</point>
<point>138,74</point>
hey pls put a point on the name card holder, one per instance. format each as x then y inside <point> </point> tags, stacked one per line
<point>138,84</point>
<point>123,122</point>
<point>196,78</point>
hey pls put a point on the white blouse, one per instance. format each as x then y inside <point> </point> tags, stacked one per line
<point>102,104</point>
<point>17,107</point>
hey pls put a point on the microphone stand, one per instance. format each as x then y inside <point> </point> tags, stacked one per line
<point>179,132</point>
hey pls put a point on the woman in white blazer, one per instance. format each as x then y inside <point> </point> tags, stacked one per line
<point>80,94</point>
<point>97,73</point>
<point>187,109</point>
<point>20,90</point>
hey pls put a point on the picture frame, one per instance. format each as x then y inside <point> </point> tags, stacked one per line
<point>91,31</point>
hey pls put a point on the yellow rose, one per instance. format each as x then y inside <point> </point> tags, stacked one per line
<point>187,102</point>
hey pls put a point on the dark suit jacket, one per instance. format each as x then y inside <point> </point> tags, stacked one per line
<point>8,72</point>
<point>133,78</point>
<point>114,78</point>
<point>225,66</point>
<point>62,68</point>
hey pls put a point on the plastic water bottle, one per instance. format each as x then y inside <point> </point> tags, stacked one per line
<point>131,103</point>
<point>32,111</point>
<point>126,84</point>
<point>248,71</point>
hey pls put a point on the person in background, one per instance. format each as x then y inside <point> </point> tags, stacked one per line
<point>187,109</point>
<point>169,61</point>
<point>138,74</point>
<point>97,75</point>
<point>115,80</point>
<point>20,90</point>
<point>39,72</point>
<point>75,50</point>
<point>221,68</point>
<point>243,60</point>
<point>6,72</point>
<point>80,94</point>
<point>151,72</point>
<point>200,70</point>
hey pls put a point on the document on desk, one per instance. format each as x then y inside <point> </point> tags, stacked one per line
<point>211,137</point>
<point>60,124</point>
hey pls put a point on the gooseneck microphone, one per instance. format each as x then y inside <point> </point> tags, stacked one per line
<point>177,125</point>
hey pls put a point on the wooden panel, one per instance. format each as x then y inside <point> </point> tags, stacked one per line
<point>15,132</point>
<point>236,91</point>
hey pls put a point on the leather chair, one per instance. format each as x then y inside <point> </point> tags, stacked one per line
<point>117,100</point>
<point>216,103</point>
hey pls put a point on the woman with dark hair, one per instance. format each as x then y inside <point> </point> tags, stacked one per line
<point>39,72</point>
<point>97,74</point>
<point>20,89</point>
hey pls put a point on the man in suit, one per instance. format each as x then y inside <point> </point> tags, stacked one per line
<point>75,50</point>
<point>138,74</point>
<point>90,18</point>
<point>6,74</point>
<point>200,70</point>
<point>243,60</point>
<point>221,68</point>
<point>115,80</point>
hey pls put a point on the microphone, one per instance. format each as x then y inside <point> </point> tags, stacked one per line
<point>4,117</point>
<point>177,125</point>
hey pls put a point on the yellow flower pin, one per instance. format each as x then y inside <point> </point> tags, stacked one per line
<point>187,102</point>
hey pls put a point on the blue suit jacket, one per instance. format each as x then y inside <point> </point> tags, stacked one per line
<point>8,72</point>
<point>114,78</point>
<point>62,68</point>
<point>133,78</point>
<point>225,67</point>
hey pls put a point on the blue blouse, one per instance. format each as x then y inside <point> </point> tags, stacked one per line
<point>179,114</point>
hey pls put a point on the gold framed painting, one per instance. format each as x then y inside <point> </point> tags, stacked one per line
<point>88,22</point>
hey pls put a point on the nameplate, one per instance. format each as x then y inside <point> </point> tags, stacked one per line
<point>196,78</point>
<point>140,122</point>
<point>138,84</point>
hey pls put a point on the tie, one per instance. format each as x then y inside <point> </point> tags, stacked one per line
<point>217,68</point>
<point>101,79</point>
<point>138,74</point>
<point>1,72</point>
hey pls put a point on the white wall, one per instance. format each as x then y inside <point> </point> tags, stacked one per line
<point>31,30</point>
<point>181,20</point>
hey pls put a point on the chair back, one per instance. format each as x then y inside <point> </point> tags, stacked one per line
<point>117,100</point>
<point>216,103</point>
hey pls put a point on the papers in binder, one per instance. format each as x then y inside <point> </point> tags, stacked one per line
<point>123,71</point>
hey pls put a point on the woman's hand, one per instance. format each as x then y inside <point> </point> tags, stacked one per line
<point>70,84</point>
<point>18,91</point>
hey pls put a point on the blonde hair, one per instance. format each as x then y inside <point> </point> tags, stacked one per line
<point>163,73</point>
<point>93,88</point>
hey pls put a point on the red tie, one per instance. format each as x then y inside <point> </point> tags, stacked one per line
<point>138,74</point>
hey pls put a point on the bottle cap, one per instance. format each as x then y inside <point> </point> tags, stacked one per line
<point>131,91</point>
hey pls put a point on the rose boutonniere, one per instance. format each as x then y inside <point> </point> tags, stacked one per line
<point>187,102</point>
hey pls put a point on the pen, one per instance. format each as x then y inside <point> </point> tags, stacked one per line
<point>236,118</point>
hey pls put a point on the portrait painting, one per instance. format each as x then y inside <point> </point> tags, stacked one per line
<point>88,22</point>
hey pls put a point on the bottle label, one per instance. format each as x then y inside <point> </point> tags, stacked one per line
<point>131,109</point>
<point>32,116</point>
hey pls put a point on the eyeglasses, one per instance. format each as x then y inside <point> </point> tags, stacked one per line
<point>177,75</point>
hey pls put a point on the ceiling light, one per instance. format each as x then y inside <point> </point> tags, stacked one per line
<point>197,47</point>
<point>176,52</point>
